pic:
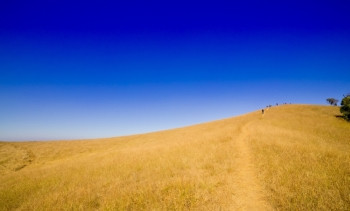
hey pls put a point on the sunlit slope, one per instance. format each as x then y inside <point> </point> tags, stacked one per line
<point>303,157</point>
<point>293,157</point>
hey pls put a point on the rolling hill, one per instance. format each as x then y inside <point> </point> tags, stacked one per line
<point>292,157</point>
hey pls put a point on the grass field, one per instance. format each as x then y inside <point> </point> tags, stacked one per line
<point>294,157</point>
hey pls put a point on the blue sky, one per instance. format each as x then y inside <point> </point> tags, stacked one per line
<point>88,69</point>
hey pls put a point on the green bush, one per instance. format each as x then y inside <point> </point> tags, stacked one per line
<point>345,107</point>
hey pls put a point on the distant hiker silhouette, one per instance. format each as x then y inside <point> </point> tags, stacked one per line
<point>262,111</point>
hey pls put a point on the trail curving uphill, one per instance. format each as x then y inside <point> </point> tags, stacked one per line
<point>284,159</point>
<point>249,194</point>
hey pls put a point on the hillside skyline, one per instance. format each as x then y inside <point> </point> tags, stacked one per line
<point>86,70</point>
<point>285,159</point>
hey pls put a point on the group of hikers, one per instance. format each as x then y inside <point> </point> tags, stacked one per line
<point>269,106</point>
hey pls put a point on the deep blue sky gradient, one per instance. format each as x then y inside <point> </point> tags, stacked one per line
<point>90,69</point>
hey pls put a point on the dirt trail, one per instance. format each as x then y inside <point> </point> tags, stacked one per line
<point>249,194</point>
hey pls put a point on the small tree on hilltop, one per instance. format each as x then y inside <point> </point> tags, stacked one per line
<point>332,101</point>
<point>345,107</point>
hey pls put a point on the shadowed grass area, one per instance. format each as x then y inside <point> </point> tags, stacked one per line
<point>301,155</point>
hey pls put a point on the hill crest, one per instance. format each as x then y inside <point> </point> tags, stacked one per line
<point>285,158</point>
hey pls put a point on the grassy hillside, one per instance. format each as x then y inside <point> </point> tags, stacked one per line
<point>292,157</point>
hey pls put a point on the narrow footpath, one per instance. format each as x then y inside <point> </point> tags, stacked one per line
<point>249,193</point>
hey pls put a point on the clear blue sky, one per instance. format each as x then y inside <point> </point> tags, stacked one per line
<point>89,69</point>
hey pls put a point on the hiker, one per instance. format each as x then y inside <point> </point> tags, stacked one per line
<point>262,111</point>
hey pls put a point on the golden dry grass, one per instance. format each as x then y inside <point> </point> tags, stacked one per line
<point>293,157</point>
<point>303,155</point>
